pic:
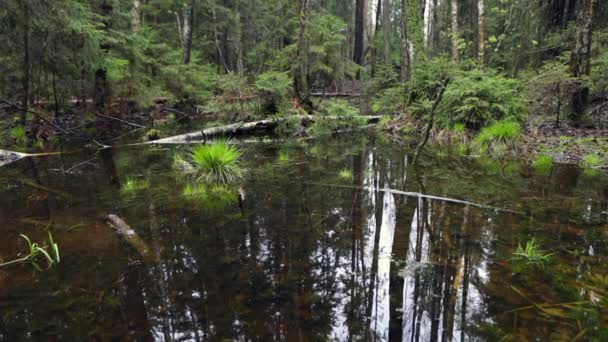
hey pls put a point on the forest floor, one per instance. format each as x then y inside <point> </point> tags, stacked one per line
<point>566,144</point>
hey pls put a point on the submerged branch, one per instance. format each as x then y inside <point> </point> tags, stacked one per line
<point>421,195</point>
<point>131,237</point>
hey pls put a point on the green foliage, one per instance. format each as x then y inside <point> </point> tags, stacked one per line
<point>592,161</point>
<point>390,101</point>
<point>599,64</point>
<point>275,83</point>
<point>498,137</point>
<point>337,115</point>
<point>476,98</point>
<point>35,252</point>
<point>217,162</point>
<point>531,254</point>
<point>19,135</point>
<point>543,164</point>
<point>346,174</point>
<point>191,84</point>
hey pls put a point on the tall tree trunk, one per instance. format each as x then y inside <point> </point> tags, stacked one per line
<point>25,81</point>
<point>386,27</point>
<point>301,69</point>
<point>566,13</point>
<point>481,29</point>
<point>406,55</point>
<point>136,16</point>
<point>359,32</point>
<point>580,63</point>
<point>455,28</point>
<point>429,9</point>
<point>187,32</point>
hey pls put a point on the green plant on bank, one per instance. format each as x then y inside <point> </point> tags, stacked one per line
<point>592,161</point>
<point>346,174</point>
<point>543,163</point>
<point>19,135</point>
<point>531,254</point>
<point>498,137</point>
<point>35,251</point>
<point>217,162</point>
<point>337,115</point>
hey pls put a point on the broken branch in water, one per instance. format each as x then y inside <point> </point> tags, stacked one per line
<point>420,195</point>
<point>131,237</point>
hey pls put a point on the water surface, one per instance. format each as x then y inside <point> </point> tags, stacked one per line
<point>297,252</point>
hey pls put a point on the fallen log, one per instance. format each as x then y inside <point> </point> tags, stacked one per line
<point>7,157</point>
<point>265,126</point>
<point>131,237</point>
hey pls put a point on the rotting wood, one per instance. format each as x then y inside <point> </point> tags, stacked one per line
<point>130,236</point>
<point>245,128</point>
<point>421,195</point>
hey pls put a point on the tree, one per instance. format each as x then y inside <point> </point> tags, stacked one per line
<point>455,28</point>
<point>359,32</point>
<point>580,63</point>
<point>187,32</point>
<point>481,29</point>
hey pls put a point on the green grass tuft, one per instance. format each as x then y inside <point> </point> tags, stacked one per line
<point>543,164</point>
<point>531,254</point>
<point>499,136</point>
<point>19,135</point>
<point>218,162</point>
<point>135,185</point>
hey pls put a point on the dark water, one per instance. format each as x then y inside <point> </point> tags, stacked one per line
<point>298,253</point>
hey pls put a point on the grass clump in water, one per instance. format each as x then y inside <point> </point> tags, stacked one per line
<point>217,162</point>
<point>543,164</point>
<point>35,251</point>
<point>531,254</point>
<point>498,137</point>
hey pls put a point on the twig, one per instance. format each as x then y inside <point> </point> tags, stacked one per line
<point>120,120</point>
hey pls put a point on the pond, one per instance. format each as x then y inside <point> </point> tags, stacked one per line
<point>306,248</point>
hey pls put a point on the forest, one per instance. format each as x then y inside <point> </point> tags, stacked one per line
<point>304,170</point>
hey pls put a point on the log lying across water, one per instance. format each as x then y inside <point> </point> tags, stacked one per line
<point>130,236</point>
<point>262,126</point>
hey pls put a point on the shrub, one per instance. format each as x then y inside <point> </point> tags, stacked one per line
<point>338,115</point>
<point>275,86</point>
<point>217,162</point>
<point>275,83</point>
<point>390,101</point>
<point>499,136</point>
<point>476,97</point>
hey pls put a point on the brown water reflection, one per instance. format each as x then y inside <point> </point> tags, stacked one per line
<point>291,259</point>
